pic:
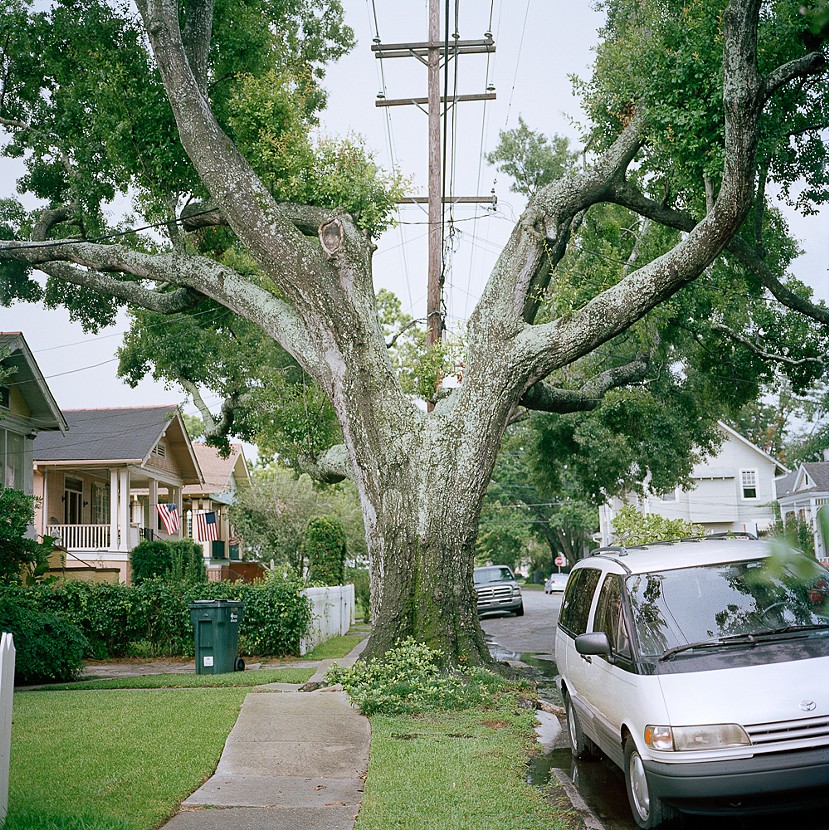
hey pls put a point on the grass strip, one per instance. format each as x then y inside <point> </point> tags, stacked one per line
<point>245,679</point>
<point>334,648</point>
<point>459,770</point>
<point>104,761</point>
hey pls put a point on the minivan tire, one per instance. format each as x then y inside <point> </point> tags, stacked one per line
<point>648,810</point>
<point>582,747</point>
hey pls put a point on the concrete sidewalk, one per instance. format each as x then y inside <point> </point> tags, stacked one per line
<point>293,761</point>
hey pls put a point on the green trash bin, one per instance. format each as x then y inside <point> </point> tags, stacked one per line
<point>216,632</point>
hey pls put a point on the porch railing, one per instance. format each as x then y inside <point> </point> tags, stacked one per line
<point>81,537</point>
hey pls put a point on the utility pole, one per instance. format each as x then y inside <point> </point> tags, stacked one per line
<point>429,54</point>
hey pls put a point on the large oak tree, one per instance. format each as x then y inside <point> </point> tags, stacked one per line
<point>680,144</point>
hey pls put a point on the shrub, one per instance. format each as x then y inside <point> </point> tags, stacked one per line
<point>48,646</point>
<point>20,556</point>
<point>408,679</point>
<point>149,559</point>
<point>362,589</point>
<point>323,544</point>
<point>180,560</point>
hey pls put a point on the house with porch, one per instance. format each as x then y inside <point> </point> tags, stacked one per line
<point>223,478</point>
<point>802,493</point>
<point>99,484</point>
<point>27,408</point>
<point>732,490</point>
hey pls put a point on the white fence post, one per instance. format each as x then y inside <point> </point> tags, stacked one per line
<point>6,693</point>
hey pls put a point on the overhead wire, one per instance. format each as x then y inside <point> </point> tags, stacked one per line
<point>389,133</point>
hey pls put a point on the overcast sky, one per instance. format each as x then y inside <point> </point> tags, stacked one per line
<point>538,44</point>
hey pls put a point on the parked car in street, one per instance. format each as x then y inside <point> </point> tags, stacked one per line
<point>497,590</point>
<point>700,668</point>
<point>555,583</point>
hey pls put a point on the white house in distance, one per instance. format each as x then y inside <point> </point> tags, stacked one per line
<point>733,490</point>
<point>802,493</point>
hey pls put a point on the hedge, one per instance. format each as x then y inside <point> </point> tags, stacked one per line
<point>152,619</point>
<point>48,647</point>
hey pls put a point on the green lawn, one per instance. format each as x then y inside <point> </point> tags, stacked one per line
<point>335,647</point>
<point>457,771</point>
<point>109,760</point>
<point>192,681</point>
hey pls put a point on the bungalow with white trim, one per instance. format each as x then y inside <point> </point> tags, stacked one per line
<point>100,484</point>
<point>223,478</point>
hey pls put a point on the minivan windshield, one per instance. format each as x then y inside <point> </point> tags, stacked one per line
<point>737,601</point>
<point>502,573</point>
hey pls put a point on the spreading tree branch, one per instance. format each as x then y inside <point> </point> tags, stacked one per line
<point>801,67</point>
<point>198,25</point>
<point>763,353</point>
<point>629,196</point>
<point>546,398</point>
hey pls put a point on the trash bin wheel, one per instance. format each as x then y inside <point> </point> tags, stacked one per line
<point>239,665</point>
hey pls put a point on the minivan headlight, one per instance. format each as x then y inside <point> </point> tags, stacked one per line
<point>684,738</point>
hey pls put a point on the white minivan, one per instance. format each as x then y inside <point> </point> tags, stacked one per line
<point>701,668</point>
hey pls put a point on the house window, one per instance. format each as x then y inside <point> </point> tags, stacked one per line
<point>670,495</point>
<point>748,480</point>
<point>160,449</point>
<point>5,396</point>
<point>11,459</point>
<point>72,501</point>
<point>100,504</point>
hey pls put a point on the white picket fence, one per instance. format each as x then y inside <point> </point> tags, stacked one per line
<point>332,613</point>
<point>6,692</point>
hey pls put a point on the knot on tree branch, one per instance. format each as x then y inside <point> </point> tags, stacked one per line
<point>332,237</point>
<point>331,467</point>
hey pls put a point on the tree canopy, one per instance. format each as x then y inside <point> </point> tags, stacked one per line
<point>646,285</point>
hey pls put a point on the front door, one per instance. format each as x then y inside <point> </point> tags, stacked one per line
<point>73,501</point>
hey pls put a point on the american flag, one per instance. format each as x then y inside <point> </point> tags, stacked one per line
<point>207,528</point>
<point>169,516</point>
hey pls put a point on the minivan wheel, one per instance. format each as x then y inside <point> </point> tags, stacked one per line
<point>580,744</point>
<point>648,810</point>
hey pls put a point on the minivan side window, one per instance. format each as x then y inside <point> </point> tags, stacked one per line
<point>610,617</point>
<point>577,600</point>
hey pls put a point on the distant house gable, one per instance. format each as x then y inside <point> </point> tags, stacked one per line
<point>222,476</point>
<point>29,396</point>
<point>780,469</point>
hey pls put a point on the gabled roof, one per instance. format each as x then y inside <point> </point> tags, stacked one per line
<point>797,482</point>
<point>125,436</point>
<point>729,431</point>
<point>29,381</point>
<point>218,472</point>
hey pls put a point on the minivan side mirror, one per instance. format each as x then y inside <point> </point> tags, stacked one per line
<point>594,643</point>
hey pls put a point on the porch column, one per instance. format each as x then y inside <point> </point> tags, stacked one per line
<point>114,501</point>
<point>153,518</point>
<point>178,496</point>
<point>124,509</point>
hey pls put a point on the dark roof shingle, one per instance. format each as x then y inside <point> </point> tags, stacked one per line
<point>105,434</point>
